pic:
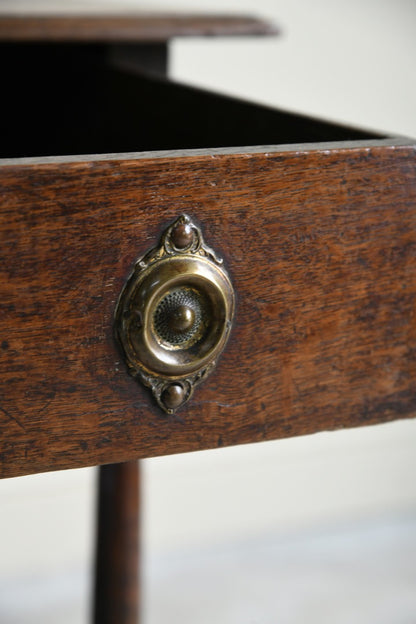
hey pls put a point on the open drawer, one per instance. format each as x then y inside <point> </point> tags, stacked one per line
<point>316,224</point>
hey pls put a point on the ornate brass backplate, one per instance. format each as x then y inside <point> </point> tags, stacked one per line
<point>174,315</point>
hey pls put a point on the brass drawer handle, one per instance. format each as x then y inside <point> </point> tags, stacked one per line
<point>174,314</point>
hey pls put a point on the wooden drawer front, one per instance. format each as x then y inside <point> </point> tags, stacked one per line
<point>320,244</point>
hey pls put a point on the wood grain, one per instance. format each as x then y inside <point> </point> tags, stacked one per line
<point>133,28</point>
<point>321,246</point>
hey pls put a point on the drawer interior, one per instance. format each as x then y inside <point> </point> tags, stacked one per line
<point>70,99</point>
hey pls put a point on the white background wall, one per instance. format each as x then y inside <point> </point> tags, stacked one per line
<point>347,60</point>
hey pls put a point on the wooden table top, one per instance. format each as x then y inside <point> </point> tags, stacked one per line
<point>95,22</point>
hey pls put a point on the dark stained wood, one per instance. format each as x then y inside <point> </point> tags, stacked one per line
<point>135,27</point>
<point>321,246</point>
<point>143,57</point>
<point>107,110</point>
<point>116,596</point>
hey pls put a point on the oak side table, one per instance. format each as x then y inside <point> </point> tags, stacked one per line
<point>182,270</point>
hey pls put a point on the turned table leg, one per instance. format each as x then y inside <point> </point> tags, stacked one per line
<point>116,593</point>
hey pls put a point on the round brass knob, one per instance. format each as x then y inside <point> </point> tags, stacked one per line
<point>182,319</point>
<point>184,301</point>
<point>178,318</point>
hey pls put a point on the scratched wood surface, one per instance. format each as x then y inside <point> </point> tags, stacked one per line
<point>321,247</point>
